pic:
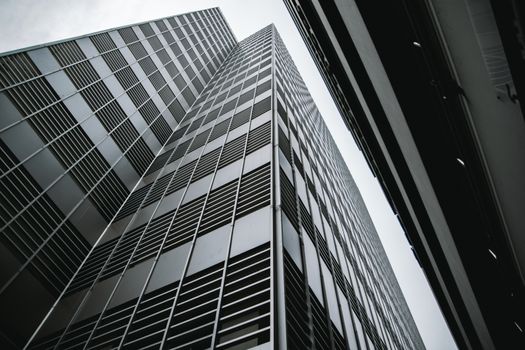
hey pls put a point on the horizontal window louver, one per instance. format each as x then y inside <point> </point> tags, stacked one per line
<point>323,249</point>
<point>177,134</point>
<point>245,97</point>
<point>158,189</point>
<point>206,164</point>
<point>158,82</point>
<point>311,186</point>
<point>146,29</point>
<point>128,35</point>
<point>16,69</point>
<point>297,324</point>
<point>255,191</point>
<point>245,309</point>
<point>323,208</point>
<point>179,181</point>
<point>155,43</point>
<point>263,87</point>
<point>103,42</point>
<point>319,320</point>
<point>152,240</point>
<point>124,73</point>
<point>293,129</point>
<point>195,124</point>
<point>138,95</point>
<point>191,326</point>
<point>240,118</point>
<point>219,207</point>
<point>54,123</point>
<point>177,110</point>
<point>181,150</point>
<point>77,335</point>
<point>188,96</point>
<point>160,161</point>
<point>288,200</point>
<point>100,99</point>
<point>199,140</point>
<point>58,260</point>
<point>168,37</point>
<point>148,324</point>
<point>167,97</point>
<point>228,107</point>
<point>96,95</point>
<point>338,274</point>
<point>339,340</point>
<point>306,221</point>
<point>284,145</point>
<point>133,202</point>
<point>232,151</point>
<point>158,124</point>
<point>298,164</point>
<point>219,130</point>
<point>149,67</point>
<point>185,223</point>
<point>163,56</point>
<point>182,230</point>
<point>182,177</point>
<point>235,90</point>
<point>282,113</point>
<point>261,107</point>
<point>138,50</point>
<point>211,116</point>
<point>145,331</point>
<point>259,137</point>
<point>360,312</point>
<point>68,53</point>
<point>118,64</point>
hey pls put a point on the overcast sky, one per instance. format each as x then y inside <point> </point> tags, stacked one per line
<point>29,22</point>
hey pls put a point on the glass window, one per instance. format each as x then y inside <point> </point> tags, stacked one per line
<point>251,231</point>
<point>312,267</point>
<point>169,267</point>
<point>210,249</point>
<point>291,241</point>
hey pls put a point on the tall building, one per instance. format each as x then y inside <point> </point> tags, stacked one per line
<point>164,186</point>
<point>433,93</point>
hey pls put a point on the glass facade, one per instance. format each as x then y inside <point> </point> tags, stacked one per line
<point>167,187</point>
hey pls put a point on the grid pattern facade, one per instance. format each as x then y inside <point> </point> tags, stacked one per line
<point>82,120</point>
<point>339,254</point>
<point>239,216</point>
<point>179,269</point>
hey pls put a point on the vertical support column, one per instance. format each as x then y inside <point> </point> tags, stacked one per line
<point>278,297</point>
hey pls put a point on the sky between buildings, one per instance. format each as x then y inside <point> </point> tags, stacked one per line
<point>30,22</point>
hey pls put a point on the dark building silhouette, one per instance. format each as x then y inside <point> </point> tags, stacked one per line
<point>164,186</point>
<point>433,93</point>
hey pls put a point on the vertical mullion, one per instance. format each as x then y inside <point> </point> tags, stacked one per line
<point>278,305</point>
<point>232,221</point>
